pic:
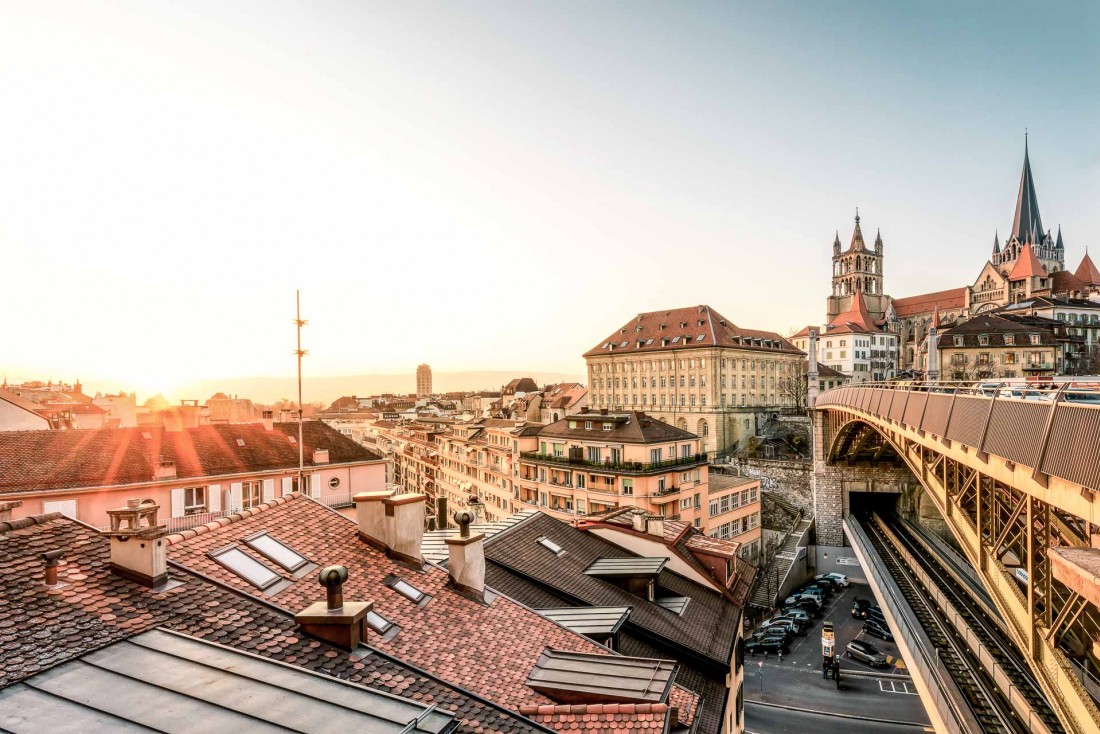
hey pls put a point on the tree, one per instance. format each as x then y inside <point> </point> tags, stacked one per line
<point>795,389</point>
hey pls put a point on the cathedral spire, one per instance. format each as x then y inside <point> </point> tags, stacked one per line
<point>1027,226</point>
<point>857,236</point>
<point>1058,245</point>
<point>996,243</point>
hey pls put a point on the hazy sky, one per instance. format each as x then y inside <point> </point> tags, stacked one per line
<point>500,185</point>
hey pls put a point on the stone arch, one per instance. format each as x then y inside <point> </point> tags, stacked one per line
<point>682,424</point>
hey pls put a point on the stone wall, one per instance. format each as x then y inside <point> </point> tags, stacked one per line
<point>789,480</point>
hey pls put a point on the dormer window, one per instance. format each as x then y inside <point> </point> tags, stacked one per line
<point>983,340</point>
<point>608,426</point>
<point>958,341</point>
<point>1036,339</point>
<point>1010,339</point>
<point>588,425</point>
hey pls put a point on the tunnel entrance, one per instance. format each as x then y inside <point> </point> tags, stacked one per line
<point>865,504</point>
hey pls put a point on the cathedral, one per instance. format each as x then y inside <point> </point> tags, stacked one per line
<point>1030,263</point>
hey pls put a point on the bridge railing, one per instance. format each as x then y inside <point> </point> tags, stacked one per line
<point>1052,425</point>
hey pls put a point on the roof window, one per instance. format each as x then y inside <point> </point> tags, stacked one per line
<point>700,337</point>
<point>407,590</point>
<point>292,439</point>
<point>275,550</point>
<point>240,442</point>
<point>551,546</point>
<point>146,435</point>
<point>247,567</point>
<point>673,603</point>
<point>378,623</point>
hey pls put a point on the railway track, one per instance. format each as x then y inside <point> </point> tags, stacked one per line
<point>993,713</point>
<point>991,637</point>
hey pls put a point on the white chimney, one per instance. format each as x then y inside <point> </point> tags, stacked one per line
<point>165,470</point>
<point>138,552</point>
<point>320,456</point>
<point>405,515</point>
<point>637,520</point>
<point>370,512</point>
<point>655,526</point>
<point>466,558</point>
<point>268,420</point>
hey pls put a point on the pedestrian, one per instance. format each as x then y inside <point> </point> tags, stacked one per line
<point>780,656</point>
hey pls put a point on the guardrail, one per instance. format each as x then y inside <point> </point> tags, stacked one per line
<point>177,524</point>
<point>622,467</point>
<point>1035,423</point>
<point>336,501</point>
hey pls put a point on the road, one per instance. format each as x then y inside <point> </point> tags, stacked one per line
<point>761,719</point>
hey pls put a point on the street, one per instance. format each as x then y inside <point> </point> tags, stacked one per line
<point>760,719</point>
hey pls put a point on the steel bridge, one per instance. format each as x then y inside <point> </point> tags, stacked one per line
<point>1015,474</point>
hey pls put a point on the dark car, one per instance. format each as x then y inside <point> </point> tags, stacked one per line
<point>789,625</point>
<point>767,644</point>
<point>860,607</point>
<point>815,591</point>
<point>771,633</point>
<point>865,652</point>
<point>800,621</point>
<point>797,598</point>
<point>809,605</point>
<point>874,613</point>
<point>822,588</point>
<point>799,615</point>
<point>876,629</point>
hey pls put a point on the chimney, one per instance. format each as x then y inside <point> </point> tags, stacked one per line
<point>441,513</point>
<point>466,558</point>
<point>7,507</point>
<point>371,515</point>
<point>320,456</point>
<point>638,520</point>
<point>335,620</point>
<point>49,571</point>
<point>138,552</point>
<point>165,469</point>
<point>655,525</point>
<point>405,527</point>
<point>268,420</point>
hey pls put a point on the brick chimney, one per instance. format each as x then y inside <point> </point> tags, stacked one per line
<point>342,623</point>
<point>405,515</point>
<point>638,520</point>
<point>370,513</point>
<point>655,525</point>
<point>166,469</point>
<point>138,552</point>
<point>268,420</point>
<point>320,456</point>
<point>466,558</point>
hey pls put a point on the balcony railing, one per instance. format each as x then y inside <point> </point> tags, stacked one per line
<point>178,524</point>
<point>623,467</point>
<point>336,500</point>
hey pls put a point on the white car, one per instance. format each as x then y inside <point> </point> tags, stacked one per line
<point>836,578</point>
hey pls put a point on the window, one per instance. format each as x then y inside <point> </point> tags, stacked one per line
<point>274,550</point>
<point>334,483</point>
<point>378,623</point>
<point>685,503</point>
<point>1036,339</point>
<point>608,426</point>
<point>252,494</point>
<point>588,425</point>
<point>655,456</point>
<point>194,500</point>
<point>958,341</point>
<point>594,453</point>
<point>550,545</point>
<point>247,567</point>
<point>405,589</point>
<point>628,486</point>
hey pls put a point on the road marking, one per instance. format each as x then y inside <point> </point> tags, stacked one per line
<point>894,686</point>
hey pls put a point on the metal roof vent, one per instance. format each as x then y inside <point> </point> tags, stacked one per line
<point>335,620</point>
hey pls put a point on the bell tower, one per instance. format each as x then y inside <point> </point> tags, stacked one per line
<point>858,268</point>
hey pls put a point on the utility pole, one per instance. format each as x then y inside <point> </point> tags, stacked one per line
<point>299,322</point>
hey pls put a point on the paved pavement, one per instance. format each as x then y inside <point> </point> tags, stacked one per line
<point>761,719</point>
<point>796,681</point>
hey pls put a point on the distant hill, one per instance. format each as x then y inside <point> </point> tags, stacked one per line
<point>327,389</point>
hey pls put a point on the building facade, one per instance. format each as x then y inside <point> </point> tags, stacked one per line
<point>423,380</point>
<point>695,369</point>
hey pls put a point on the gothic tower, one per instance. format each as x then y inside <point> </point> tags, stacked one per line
<point>858,269</point>
<point>1027,229</point>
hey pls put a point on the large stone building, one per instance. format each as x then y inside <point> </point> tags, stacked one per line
<point>423,380</point>
<point>697,370</point>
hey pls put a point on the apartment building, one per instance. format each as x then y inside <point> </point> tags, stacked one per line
<point>695,369</point>
<point>479,459</point>
<point>414,449</point>
<point>592,462</point>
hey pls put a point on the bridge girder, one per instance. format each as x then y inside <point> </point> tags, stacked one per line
<point>1005,518</point>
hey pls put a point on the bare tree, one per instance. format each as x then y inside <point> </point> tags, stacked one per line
<point>795,389</point>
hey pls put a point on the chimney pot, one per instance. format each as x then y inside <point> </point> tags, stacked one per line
<point>137,543</point>
<point>333,578</point>
<point>51,559</point>
<point>335,621</point>
<point>6,509</point>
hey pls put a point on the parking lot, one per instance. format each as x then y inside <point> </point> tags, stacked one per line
<point>796,679</point>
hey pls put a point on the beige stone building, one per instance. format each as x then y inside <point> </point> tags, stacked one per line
<point>695,369</point>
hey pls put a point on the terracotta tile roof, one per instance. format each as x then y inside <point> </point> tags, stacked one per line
<point>707,627</point>
<point>824,370</point>
<point>687,328</point>
<point>857,319</point>
<point>20,402</point>
<point>609,718</point>
<point>948,300</point>
<point>439,637</point>
<point>31,461</point>
<point>1027,266</point>
<point>95,608</point>
<point>1087,271</point>
<point>1063,281</point>
<point>630,426</point>
<point>687,702</point>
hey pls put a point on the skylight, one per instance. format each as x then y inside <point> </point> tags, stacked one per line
<point>378,623</point>
<point>245,566</point>
<point>405,589</point>
<point>292,439</point>
<point>550,545</point>
<point>240,442</point>
<point>276,551</point>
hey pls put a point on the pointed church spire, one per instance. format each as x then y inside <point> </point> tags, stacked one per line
<point>1027,226</point>
<point>857,236</point>
<point>936,316</point>
<point>878,238</point>
<point>1058,245</point>
<point>996,243</point>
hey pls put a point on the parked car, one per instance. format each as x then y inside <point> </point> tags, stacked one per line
<point>827,582</point>
<point>799,615</point>
<point>876,629</point>
<point>777,632</point>
<point>875,615</point>
<point>801,622</point>
<point>801,599</point>
<point>784,624</point>
<point>865,652</point>
<point>837,579</point>
<point>823,591</point>
<point>767,644</point>
<point>860,607</point>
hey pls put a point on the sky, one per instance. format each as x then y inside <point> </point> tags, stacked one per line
<point>500,185</point>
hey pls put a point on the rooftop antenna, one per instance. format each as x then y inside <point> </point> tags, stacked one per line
<point>299,322</point>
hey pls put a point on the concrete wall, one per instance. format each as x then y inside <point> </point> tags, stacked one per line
<point>14,418</point>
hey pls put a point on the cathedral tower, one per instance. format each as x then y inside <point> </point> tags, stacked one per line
<point>858,269</point>
<point>1027,229</point>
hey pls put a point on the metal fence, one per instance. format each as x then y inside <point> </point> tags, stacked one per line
<point>177,524</point>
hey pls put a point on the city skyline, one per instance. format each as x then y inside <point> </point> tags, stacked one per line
<point>456,156</point>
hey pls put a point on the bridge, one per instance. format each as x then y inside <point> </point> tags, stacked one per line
<point>1014,473</point>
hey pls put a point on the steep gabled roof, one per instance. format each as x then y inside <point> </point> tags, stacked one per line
<point>1027,226</point>
<point>1087,271</point>
<point>1027,266</point>
<point>636,428</point>
<point>1063,281</point>
<point>856,319</point>
<point>857,238</point>
<point>948,300</point>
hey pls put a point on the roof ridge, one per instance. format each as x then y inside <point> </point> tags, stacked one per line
<point>221,522</point>
<point>528,709</point>
<point>26,522</point>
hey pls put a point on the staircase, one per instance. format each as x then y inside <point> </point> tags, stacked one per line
<point>773,576</point>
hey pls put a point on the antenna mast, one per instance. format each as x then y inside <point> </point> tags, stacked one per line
<point>299,322</point>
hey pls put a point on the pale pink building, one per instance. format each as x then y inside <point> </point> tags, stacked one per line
<point>194,474</point>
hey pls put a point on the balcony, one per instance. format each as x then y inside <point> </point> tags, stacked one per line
<point>627,467</point>
<point>1039,367</point>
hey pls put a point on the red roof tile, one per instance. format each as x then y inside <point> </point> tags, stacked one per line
<point>687,328</point>
<point>947,300</point>
<point>609,718</point>
<point>1063,281</point>
<point>487,649</point>
<point>1027,266</point>
<point>856,319</point>
<point>31,461</point>
<point>1087,271</point>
